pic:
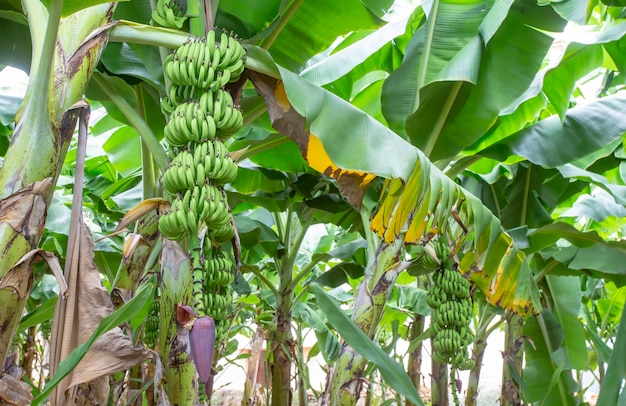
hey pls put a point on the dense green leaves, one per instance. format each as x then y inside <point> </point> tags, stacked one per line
<point>612,384</point>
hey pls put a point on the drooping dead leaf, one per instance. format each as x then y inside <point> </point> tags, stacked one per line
<point>290,123</point>
<point>88,303</point>
<point>22,213</point>
<point>140,211</point>
<point>14,290</point>
<point>77,317</point>
<point>422,207</point>
<point>112,352</point>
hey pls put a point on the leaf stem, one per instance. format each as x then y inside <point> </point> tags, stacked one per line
<point>195,11</point>
<point>129,31</point>
<point>147,163</point>
<point>524,210</point>
<point>421,78</point>
<point>460,165</point>
<point>370,236</point>
<point>43,59</point>
<point>443,116</point>
<point>288,12</point>
<point>305,270</point>
<point>264,279</point>
<point>546,339</point>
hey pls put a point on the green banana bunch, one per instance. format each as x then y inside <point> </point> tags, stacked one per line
<point>452,311</point>
<point>223,234</point>
<point>201,115</point>
<point>168,13</point>
<point>205,63</point>
<point>179,222</point>
<point>189,124</point>
<point>218,271</point>
<point>151,329</point>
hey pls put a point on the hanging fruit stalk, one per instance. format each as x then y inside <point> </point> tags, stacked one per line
<point>201,115</point>
<point>451,315</point>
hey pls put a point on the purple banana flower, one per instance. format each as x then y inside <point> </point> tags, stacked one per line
<point>202,342</point>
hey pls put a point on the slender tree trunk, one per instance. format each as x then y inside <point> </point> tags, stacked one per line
<point>513,356</point>
<point>438,383</point>
<point>344,382</point>
<point>478,351</point>
<point>302,394</point>
<point>30,352</point>
<point>281,345</point>
<point>281,342</point>
<point>415,356</point>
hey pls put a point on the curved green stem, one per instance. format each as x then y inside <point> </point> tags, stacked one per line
<point>289,11</point>
<point>264,279</point>
<point>443,116</point>
<point>546,338</point>
<point>197,23</point>
<point>147,163</point>
<point>421,78</point>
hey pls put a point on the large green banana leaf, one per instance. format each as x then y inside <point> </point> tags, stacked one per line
<point>418,198</point>
<point>478,74</point>
<point>306,28</point>
<point>581,53</point>
<point>553,142</point>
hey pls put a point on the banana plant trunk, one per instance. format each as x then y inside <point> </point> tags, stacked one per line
<point>44,127</point>
<point>478,352</point>
<point>438,383</point>
<point>513,357</point>
<point>281,344</point>
<point>345,380</point>
<point>415,356</point>
<point>176,281</point>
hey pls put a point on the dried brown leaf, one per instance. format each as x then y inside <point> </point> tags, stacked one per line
<point>25,210</point>
<point>140,211</point>
<point>290,123</point>
<point>14,391</point>
<point>87,304</point>
<point>112,352</point>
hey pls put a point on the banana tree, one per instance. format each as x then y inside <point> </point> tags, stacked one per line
<point>42,135</point>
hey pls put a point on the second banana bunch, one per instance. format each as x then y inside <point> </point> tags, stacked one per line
<point>201,115</point>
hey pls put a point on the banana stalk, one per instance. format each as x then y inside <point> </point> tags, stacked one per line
<point>513,356</point>
<point>438,382</point>
<point>344,383</point>
<point>176,287</point>
<point>281,338</point>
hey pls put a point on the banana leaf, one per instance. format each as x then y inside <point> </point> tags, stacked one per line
<point>417,198</point>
